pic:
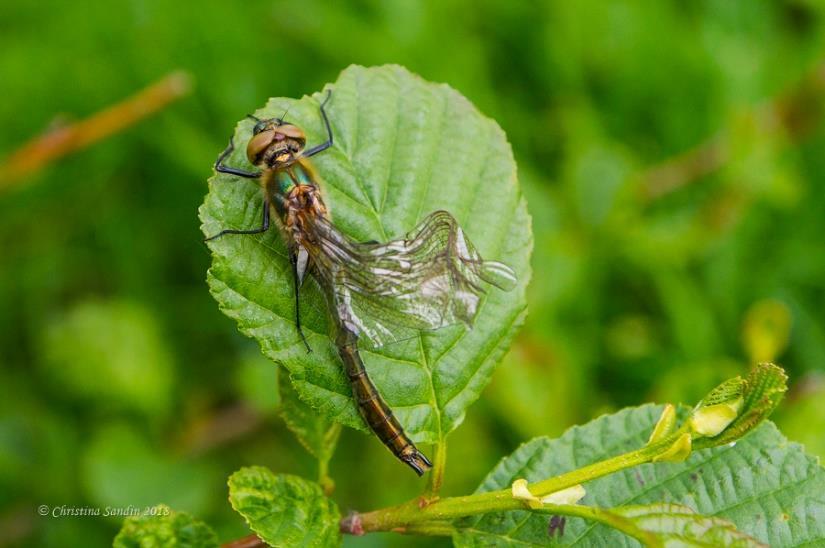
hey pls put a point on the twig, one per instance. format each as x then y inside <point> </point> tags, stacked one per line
<point>250,541</point>
<point>680,170</point>
<point>224,426</point>
<point>64,140</point>
<point>400,518</point>
<point>16,524</point>
<point>436,479</point>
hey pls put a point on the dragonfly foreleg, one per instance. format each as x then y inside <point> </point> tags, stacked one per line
<point>221,168</point>
<point>323,146</point>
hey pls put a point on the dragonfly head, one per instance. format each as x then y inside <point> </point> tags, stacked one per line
<point>274,143</point>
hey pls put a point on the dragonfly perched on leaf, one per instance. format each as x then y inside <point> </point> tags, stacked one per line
<point>375,292</point>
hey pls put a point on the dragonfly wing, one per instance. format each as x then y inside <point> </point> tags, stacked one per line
<point>429,279</point>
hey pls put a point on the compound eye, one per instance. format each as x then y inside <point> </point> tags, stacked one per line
<point>259,127</point>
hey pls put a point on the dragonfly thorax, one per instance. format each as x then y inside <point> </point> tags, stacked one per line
<point>304,201</point>
<point>303,207</point>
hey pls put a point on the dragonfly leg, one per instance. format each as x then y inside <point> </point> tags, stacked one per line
<point>325,145</point>
<point>296,278</point>
<point>263,228</point>
<point>221,168</point>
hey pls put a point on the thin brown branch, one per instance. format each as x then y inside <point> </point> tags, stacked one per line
<point>680,170</point>
<point>60,141</point>
<point>16,524</point>
<point>251,541</point>
<point>796,113</point>
<point>219,428</point>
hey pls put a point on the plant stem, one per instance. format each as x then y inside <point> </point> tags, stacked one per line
<point>598,469</point>
<point>326,482</point>
<point>330,441</point>
<point>436,479</point>
<point>403,516</point>
<point>249,541</point>
<point>431,528</point>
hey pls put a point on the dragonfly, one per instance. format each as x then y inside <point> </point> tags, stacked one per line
<point>375,292</point>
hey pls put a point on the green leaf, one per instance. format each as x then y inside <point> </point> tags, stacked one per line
<point>655,525</point>
<point>284,510</point>
<point>768,487</point>
<point>163,527</point>
<point>403,148</point>
<point>317,434</point>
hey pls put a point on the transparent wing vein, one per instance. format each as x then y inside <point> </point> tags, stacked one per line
<point>429,279</point>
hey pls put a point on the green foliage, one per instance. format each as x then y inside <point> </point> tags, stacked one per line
<point>403,148</point>
<point>316,433</point>
<point>766,330</point>
<point>763,484</point>
<point>634,298</point>
<point>119,468</point>
<point>165,528</point>
<point>284,510</point>
<point>803,417</point>
<point>258,382</point>
<point>110,351</point>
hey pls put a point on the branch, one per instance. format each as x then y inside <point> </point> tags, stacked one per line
<point>727,413</point>
<point>436,479</point>
<point>218,428</point>
<point>410,515</point>
<point>64,140</point>
<point>249,541</point>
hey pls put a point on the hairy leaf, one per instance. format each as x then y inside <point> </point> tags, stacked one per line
<point>760,393</point>
<point>403,149</point>
<point>654,525</point>
<point>167,528</point>
<point>768,487</point>
<point>284,510</point>
<point>676,525</point>
<point>680,525</point>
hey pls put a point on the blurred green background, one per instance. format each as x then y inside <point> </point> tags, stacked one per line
<point>672,158</point>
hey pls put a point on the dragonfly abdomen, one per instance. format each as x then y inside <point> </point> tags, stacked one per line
<point>375,411</point>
